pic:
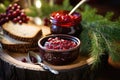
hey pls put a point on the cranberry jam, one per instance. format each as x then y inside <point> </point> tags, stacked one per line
<point>63,23</point>
<point>59,49</point>
<point>59,44</point>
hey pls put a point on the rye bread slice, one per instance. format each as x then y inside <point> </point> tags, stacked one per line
<point>8,42</point>
<point>23,32</point>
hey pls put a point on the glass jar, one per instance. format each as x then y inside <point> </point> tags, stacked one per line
<point>63,23</point>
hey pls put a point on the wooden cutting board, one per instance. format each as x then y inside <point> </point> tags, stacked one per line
<point>15,59</point>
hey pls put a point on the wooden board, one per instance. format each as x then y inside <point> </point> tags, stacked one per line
<point>15,58</point>
<point>12,68</point>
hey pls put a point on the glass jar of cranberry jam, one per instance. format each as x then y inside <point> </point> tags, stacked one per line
<point>63,23</point>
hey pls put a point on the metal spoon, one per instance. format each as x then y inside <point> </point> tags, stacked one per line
<point>39,62</point>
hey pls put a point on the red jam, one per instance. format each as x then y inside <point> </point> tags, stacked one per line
<point>63,19</point>
<point>59,44</point>
<point>63,23</point>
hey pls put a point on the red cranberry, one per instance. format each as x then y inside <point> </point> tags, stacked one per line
<point>15,14</point>
<point>17,11</point>
<point>33,59</point>
<point>15,5</point>
<point>20,21</point>
<point>15,20</point>
<point>24,60</point>
<point>46,21</point>
<point>22,14</point>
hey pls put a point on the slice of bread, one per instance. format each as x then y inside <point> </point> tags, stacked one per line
<point>9,42</point>
<point>13,45</point>
<point>22,32</point>
<point>22,38</point>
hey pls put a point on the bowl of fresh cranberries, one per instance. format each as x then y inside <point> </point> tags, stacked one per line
<point>59,49</point>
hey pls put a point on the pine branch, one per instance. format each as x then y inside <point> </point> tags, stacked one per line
<point>103,33</point>
<point>96,49</point>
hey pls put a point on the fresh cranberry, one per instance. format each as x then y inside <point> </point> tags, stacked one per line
<point>22,14</point>
<point>15,20</point>
<point>15,5</point>
<point>33,59</point>
<point>18,17</point>
<point>7,19</point>
<point>15,14</point>
<point>20,21</point>
<point>24,60</point>
<point>46,22</point>
<point>18,11</point>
